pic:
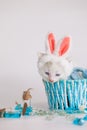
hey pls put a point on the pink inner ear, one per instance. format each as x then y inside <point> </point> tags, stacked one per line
<point>64,46</point>
<point>51,41</point>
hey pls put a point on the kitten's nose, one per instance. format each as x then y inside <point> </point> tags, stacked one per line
<point>51,80</point>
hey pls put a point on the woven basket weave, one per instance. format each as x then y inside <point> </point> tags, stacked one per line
<point>66,94</point>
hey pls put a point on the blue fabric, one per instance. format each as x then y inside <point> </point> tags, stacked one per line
<point>78,73</point>
<point>12,115</point>
<point>28,110</point>
<point>19,108</point>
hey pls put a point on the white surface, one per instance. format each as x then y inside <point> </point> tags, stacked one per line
<point>23,28</point>
<point>39,123</point>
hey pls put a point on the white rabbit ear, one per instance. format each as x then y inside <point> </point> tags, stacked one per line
<point>64,45</point>
<point>50,47</point>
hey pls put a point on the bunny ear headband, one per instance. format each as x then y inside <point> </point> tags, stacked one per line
<point>61,48</point>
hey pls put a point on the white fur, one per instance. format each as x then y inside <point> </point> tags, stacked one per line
<point>54,64</point>
<point>53,67</point>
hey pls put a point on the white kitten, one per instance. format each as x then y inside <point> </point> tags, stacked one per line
<point>52,65</point>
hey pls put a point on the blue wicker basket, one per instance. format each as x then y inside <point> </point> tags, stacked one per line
<point>66,94</point>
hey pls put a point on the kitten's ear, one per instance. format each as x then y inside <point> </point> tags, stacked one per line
<point>63,46</point>
<point>40,54</point>
<point>69,59</point>
<point>50,45</point>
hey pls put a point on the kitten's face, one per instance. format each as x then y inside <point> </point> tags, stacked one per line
<point>53,70</point>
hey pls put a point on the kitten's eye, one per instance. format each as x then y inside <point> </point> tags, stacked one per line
<point>57,74</point>
<point>47,73</point>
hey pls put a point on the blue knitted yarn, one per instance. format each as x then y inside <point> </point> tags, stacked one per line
<point>66,94</point>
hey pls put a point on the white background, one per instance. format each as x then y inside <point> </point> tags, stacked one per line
<point>24,25</point>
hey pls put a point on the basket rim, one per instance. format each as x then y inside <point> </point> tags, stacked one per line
<point>65,80</point>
